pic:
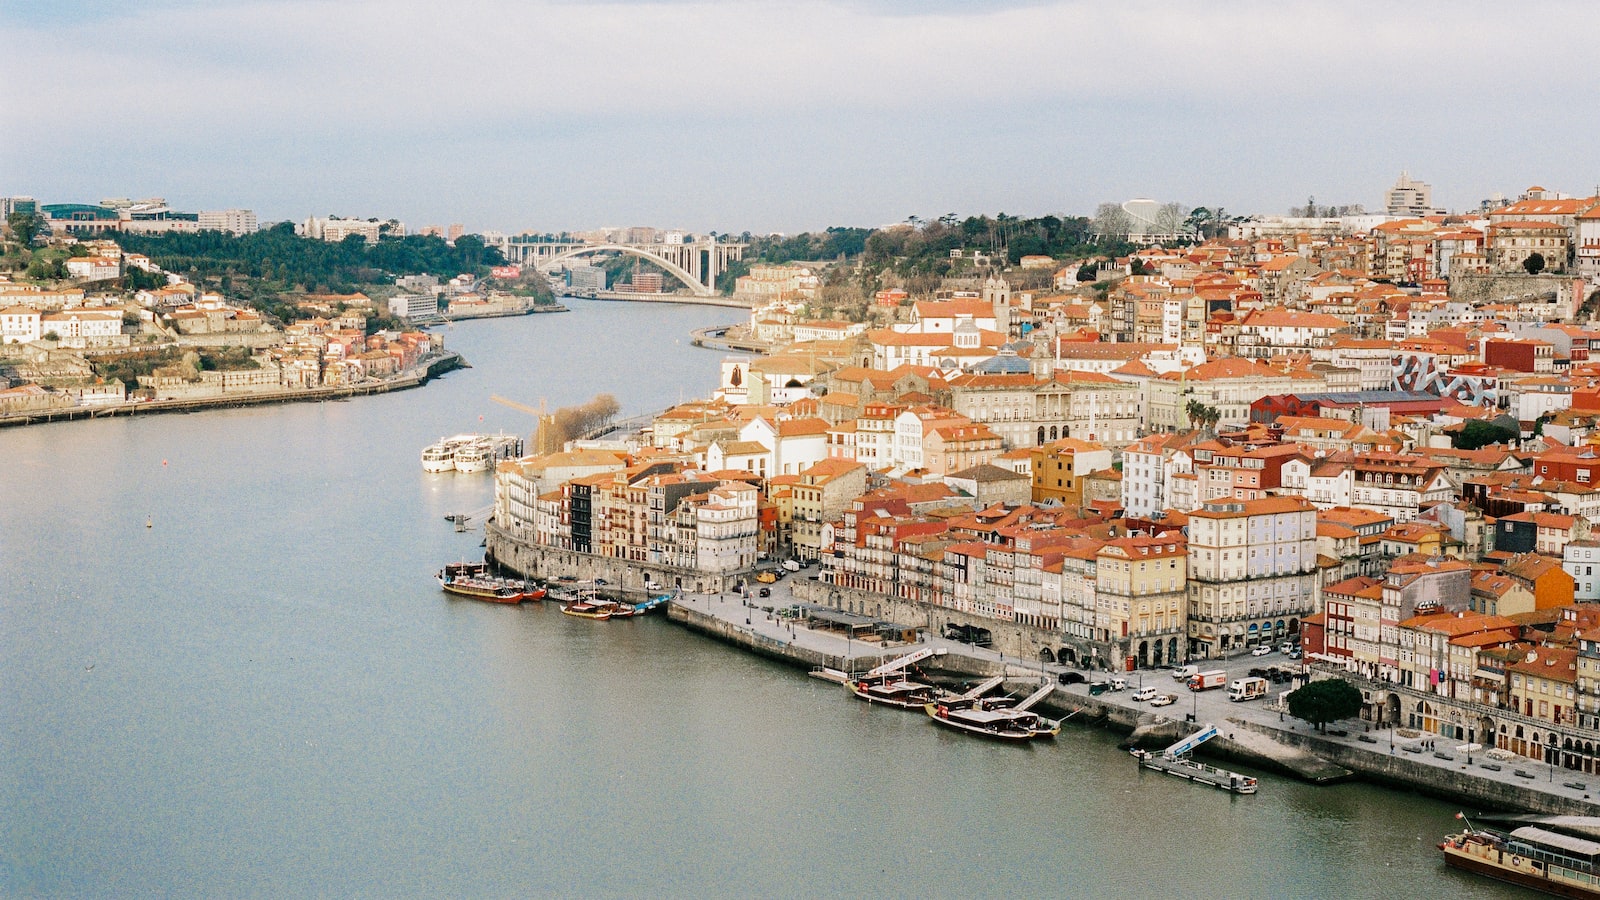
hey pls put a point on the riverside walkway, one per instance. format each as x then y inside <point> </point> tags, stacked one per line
<point>1257,728</point>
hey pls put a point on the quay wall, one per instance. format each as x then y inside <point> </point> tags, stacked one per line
<point>792,654</point>
<point>1010,638</point>
<point>232,399</point>
<point>1458,784</point>
<point>533,561</point>
<point>715,338</point>
<point>1286,750</point>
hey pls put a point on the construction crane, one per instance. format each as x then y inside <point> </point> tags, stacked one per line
<point>544,433</point>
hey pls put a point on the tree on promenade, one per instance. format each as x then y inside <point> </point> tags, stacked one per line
<point>1324,701</point>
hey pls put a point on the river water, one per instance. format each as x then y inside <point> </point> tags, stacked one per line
<point>264,693</point>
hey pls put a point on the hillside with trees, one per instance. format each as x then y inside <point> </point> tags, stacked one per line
<point>282,260</point>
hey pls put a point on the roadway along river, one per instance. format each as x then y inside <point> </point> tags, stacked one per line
<point>265,694</point>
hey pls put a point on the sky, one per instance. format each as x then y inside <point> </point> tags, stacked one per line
<point>551,115</point>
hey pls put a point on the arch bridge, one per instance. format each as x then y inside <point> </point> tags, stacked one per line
<point>696,263</point>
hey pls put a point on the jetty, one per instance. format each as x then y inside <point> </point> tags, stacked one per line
<point>1175,761</point>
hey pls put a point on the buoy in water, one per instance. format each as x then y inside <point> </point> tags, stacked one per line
<point>149,522</point>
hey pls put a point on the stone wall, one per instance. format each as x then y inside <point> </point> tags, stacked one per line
<point>1509,287</point>
<point>1009,638</point>
<point>533,561</point>
<point>1399,770</point>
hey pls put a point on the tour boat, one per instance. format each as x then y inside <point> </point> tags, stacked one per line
<point>470,453</point>
<point>898,692</point>
<point>991,720</point>
<point>440,456</point>
<point>1533,857</point>
<point>474,580</point>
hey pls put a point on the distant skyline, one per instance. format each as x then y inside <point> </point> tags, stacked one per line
<point>782,116</point>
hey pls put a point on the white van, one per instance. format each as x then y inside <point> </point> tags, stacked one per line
<point>1247,689</point>
<point>791,565</point>
<point>1184,673</point>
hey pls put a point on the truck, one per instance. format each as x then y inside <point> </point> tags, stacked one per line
<point>1205,681</point>
<point>791,565</point>
<point>1251,688</point>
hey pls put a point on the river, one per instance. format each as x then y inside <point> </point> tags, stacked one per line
<point>263,693</point>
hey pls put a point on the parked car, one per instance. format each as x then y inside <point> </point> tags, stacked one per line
<point>766,592</point>
<point>766,577</point>
<point>1119,684</point>
<point>601,581</point>
<point>791,565</point>
<point>1097,688</point>
<point>1144,694</point>
<point>1164,700</point>
<point>1289,647</point>
<point>1258,673</point>
<point>1262,650</point>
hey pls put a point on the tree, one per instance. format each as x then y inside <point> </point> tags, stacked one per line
<point>1478,433</point>
<point>1111,220</point>
<point>25,226</point>
<point>1324,701</point>
<point>1534,263</point>
<point>1170,218</point>
<point>1201,414</point>
<point>1086,272</point>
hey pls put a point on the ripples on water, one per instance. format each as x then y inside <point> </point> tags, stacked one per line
<point>265,694</point>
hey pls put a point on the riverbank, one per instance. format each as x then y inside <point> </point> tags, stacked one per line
<point>716,338</point>
<point>503,312</point>
<point>1249,736</point>
<point>446,362</point>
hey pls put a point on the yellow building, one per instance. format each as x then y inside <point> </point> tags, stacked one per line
<point>1141,601</point>
<point>1059,469</point>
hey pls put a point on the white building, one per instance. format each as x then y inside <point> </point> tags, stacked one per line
<point>1252,572</point>
<point>19,325</point>
<point>94,268</point>
<point>414,306</point>
<point>233,221</point>
<point>726,528</point>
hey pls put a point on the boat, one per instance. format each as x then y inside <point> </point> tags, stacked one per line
<point>898,692</point>
<point>440,456</point>
<point>586,610</point>
<point>475,581</point>
<point>887,685</point>
<point>991,719</point>
<point>1533,857</point>
<point>470,453</point>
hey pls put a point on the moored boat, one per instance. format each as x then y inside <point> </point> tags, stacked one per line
<point>1533,857</point>
<point>470,453</point>
<point>898,692</point>
<point>475,581</point>
<point>583,609</point>
<point>440,456</point>
<point>992,720</point>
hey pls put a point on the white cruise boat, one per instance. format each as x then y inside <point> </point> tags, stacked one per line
<point>470,453</point>
<point>440,456</point>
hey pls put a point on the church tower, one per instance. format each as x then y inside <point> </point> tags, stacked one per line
<point>997,293</point>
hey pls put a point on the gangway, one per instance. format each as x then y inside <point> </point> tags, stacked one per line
<point>1035,697</point>
<point>896,665</point>
<point>982,688</point>
<point>1206,733</point>
<point>1175,761</point>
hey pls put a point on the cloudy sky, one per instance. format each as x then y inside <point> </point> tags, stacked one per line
<point>786,116</point>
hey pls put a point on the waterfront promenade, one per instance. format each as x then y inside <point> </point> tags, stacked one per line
<point>1257,733</point>
<point>429,369</point>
